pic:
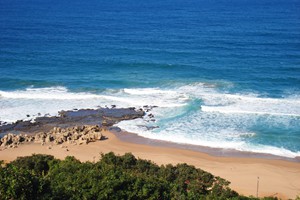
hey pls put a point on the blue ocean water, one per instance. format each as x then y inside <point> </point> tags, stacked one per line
<point>223,73</point>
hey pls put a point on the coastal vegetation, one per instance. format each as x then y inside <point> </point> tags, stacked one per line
<point>112,177</point>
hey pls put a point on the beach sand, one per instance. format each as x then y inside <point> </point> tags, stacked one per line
<point>278,178</point>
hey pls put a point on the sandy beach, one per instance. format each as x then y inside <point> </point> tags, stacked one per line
<point>278,178</point>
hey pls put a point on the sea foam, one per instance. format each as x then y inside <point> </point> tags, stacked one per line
<point>198,113</point>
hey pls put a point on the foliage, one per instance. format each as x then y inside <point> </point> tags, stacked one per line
<point>37,163</point>
<point>112,177</point>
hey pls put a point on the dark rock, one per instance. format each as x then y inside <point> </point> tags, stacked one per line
<point>115,129</point>
<point>151,115</point>
<point>149,127</point>
<point>62,113</point>
<point>101,116</point>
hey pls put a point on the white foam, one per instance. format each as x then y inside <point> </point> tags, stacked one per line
<point>230,110</point>
<point>216,101</point>
<point>225,139</point>
<point>266,149</point>
<point>213,127</point>
<point>253,105</point>
<point>15,105</point>
<point>140,101</point>
<point>148,91</point>
<point>215,124</point>
<point>55,93</point>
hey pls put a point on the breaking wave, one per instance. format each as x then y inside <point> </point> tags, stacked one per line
<point>199,113</point>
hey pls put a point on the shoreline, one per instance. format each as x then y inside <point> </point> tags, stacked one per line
<point>217,152</point>
<point>109,117</point>
<point>277,177</point>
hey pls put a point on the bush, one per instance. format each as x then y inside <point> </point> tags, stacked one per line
<point>37,163</point>
<point>112,177</point>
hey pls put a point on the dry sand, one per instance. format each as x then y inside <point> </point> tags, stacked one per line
<point>276,177</point>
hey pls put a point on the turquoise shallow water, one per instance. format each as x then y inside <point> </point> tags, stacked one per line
<point>222,73</point>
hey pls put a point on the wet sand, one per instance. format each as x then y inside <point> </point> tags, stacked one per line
<point>277,177</point>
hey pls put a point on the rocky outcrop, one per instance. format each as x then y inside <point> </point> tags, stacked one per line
<point>79,126</point>
<point>100,117</point>
<point>12,140</point>
<point>72,135</point>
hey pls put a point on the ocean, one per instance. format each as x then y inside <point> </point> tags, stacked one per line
<point>222,73</point>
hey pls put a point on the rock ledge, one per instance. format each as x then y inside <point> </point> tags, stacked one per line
<point>72,135</point>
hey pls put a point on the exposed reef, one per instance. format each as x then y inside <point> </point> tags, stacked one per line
<point>100,117</point>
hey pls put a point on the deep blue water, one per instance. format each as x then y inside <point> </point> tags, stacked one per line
<point>224,73</point>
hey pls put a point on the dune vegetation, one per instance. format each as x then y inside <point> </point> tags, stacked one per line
<point>112,177</point>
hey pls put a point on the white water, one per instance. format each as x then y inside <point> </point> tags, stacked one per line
<point>221,120</point>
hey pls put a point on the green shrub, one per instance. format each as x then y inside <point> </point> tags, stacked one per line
<point>112,177</point>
